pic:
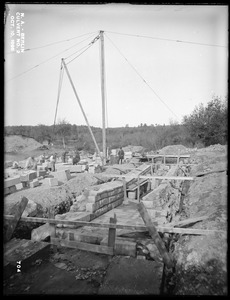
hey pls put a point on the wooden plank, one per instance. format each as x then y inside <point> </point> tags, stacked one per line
<point>134,186</point>
<point>167,155</point>
<point>17,212</point>
<point>162,229</point>
<point>188,221</point>
<point>155,236</point>
<point>138,189</point>
<point>82,246</point>
<point>132,176</point>
<point>211,172</point>
<point>112,233</point>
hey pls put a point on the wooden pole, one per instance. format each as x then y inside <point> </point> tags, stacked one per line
<point>103,94</point>
<point>52,226</point>
<point>155,236</point>
<point>112,233</point>
<point>79,102</point>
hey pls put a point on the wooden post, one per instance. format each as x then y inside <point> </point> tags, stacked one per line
<point>164,159</point>
<point>112,233</point>
<point>155,236</point>
<point>71,236</point>
<point>53,228</point>
<point>79,102</point>
<point>18,210</point>
<point>124,187</point>
<point>151,169</point>
<point>102,52</point>
<point>138,189</point>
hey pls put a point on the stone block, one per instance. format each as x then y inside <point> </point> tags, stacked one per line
<point>34,183</point>
<point>41,233</point>
<point>31,209</point>
<point>91,207</point>
<point>40,168</point>
<point>132,195</point>
<point>148,203</point>
<point>76,169</point>
<point>73,216</point>
<point>6,191</point>
<point>122,246</point>
<point>28,176</point>
<point>12,189</point>
<point>116,197</point>
<point>53,181</point>
<point>19,186</point>
<point>63,175</point>
<point>91,238</point>
<point>41,173</point>
<point>11,181</point>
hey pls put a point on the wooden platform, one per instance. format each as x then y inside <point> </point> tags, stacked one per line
<point>19,254</point>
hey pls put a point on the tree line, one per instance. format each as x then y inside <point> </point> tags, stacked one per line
<point>205,126</point>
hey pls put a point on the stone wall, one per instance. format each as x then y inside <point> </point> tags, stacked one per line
<point>166,196</point>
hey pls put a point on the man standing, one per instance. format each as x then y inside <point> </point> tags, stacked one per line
<point>52,162</point>
<point>120,155</point>
<point>76,158</point>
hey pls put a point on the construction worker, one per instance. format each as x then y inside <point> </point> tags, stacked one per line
<point>120,155</point>
<point>31,164</point>
<point>76,157</point>
<point>52,162</point>
<point>64,156</point>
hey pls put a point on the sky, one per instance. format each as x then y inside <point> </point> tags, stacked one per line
<point>161,61</point>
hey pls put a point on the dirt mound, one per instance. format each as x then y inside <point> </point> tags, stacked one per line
<point>173,149</point>
<point>46,196</point>
<point>18,143</point>
<point>216,147</point>
<point>133,148</point>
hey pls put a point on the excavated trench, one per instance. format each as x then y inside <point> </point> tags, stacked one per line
<point>171,200</point>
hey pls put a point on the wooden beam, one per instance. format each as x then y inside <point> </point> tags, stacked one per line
<point>211,172</point>
<point>112,233</point>
<point>188,221</point>
<point>82,246</point>
<point>138,189</point>
<point>148,176</point>
<point>155,236</point>
<point>162,229</point>
<point>18,210</point>
<point>167,155</point>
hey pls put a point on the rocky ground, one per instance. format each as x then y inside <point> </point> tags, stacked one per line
<point>200,260</point>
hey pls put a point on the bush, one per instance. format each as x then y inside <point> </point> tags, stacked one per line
<point>208,124</point>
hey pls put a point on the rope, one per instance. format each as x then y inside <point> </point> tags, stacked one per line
<point>168,40</point>
<point>54,43</point>
<point>87,47</point>
<point>142,78</point>
<point>45,61</point>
